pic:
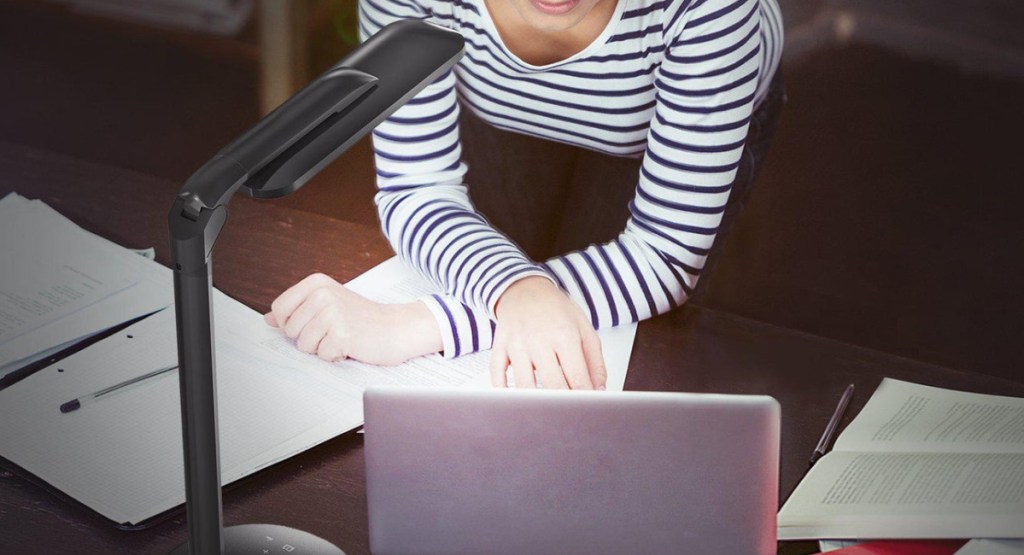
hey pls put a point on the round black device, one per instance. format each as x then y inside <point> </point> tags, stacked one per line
<point>270,539</point>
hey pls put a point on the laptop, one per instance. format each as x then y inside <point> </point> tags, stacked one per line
<point>500,471</point>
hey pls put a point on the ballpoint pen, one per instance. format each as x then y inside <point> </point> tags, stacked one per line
<point>833,424</point>
<point>76,404</point>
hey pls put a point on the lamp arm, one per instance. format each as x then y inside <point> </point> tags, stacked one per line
<point>273,158</point>
<point>191,242</point>
<point>195,221</point>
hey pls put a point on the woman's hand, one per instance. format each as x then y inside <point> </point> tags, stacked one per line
<point>541,329</point>
<point>326,318</point>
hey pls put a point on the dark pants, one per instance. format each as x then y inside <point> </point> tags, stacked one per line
<point>552,198</point>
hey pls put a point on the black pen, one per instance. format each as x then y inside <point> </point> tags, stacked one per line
<point>833,424</point>
<point>76,404</point>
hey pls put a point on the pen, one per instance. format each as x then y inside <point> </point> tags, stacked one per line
<point>76,404</point>
<point>833,423</point>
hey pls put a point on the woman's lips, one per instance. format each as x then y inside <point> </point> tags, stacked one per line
<point>554,8</point>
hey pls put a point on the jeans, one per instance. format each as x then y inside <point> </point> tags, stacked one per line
<point>552,198</point>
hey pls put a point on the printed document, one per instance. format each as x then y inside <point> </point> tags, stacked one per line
<point>60,283</point>
<point>49,270</point>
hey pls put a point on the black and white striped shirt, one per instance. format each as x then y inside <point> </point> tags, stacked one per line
<point>673,81</point>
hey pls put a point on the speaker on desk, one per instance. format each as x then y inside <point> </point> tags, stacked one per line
<point>272,159</point>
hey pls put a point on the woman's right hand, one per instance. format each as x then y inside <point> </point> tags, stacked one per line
<point>326,318</point>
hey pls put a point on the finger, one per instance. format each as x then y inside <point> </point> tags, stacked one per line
<point>594,356</point>
<point>522,369</point>
<point>333,347</point>
<point>312,334</point>
<point>548,370</point>
<point>287,302</point>
<point>499,365</point>
<point>270,319</point>
<point>574,365</point>
<point>314,303</point>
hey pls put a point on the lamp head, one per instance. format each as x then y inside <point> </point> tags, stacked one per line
<point>308,131</point>
<point>379,77</point>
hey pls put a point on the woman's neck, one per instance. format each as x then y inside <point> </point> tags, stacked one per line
<point>539,47</point>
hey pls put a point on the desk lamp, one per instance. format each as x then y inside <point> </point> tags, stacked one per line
<point>273,158</point>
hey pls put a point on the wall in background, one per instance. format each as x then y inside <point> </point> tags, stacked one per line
<point>978,36</point>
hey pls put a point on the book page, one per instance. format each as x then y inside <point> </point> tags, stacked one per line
<point>908,495</point>
<point>903,416</point>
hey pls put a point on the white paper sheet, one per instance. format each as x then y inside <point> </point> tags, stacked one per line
<point>122,455</point>
<point>392,282</point>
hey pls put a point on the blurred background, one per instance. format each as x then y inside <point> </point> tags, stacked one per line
<point>887,215</point>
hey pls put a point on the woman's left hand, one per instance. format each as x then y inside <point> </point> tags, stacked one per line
<point>326,318</point>
<point>542,333</point>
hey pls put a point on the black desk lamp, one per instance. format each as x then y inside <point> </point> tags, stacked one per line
<point>273,158</point>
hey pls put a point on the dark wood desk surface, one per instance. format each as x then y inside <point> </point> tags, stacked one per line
<point>266,248</point>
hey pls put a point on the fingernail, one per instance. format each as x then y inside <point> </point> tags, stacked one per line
<point>600,388</point>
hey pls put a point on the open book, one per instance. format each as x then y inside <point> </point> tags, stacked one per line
<point>917,462</point>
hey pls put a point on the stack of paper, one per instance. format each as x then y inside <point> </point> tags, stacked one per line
<point>122,455</point>
<point>60,283</point>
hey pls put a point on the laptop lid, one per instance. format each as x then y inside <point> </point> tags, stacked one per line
<point>529,471</point>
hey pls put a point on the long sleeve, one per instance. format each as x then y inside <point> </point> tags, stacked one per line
<point>704,91</point>
<point>426,213</point>
<point>704,99</point>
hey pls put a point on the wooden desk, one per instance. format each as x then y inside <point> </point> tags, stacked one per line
<point>266,248</point>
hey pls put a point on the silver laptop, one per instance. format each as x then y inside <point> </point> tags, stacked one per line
<point>533,472</point>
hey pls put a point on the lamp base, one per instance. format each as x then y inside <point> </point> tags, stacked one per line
<point>270,539</point>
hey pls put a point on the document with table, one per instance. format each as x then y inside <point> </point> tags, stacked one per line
<point>917,462</point>
<point>60,283</point>
<point>121,454</point>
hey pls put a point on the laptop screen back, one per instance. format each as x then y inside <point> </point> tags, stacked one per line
<point>514,471</point>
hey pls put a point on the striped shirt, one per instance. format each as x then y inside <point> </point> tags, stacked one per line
<point>672,81</point>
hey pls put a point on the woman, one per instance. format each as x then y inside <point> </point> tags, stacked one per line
<point>604,138</point>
